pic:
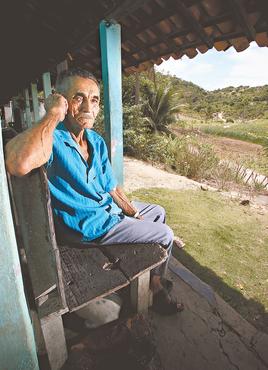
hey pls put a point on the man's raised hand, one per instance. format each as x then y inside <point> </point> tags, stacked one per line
<point>56,104</point>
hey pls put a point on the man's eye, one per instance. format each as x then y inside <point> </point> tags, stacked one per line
<point>78,99</point>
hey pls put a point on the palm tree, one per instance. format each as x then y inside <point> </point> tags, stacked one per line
<point>160,107</point>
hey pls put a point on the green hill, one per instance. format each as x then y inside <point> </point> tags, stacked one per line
<point>232,103</point>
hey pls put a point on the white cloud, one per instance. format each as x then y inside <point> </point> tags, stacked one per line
<point>248,68</point>
<point>189,70</point>
<point>221,69</point>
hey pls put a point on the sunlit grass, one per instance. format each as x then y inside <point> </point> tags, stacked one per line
<point>253,131</point>
<point>226,245</point>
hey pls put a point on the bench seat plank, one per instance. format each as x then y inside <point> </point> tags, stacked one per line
<point>51,306</point>
<point>84,276</point>
<point>135,259</point>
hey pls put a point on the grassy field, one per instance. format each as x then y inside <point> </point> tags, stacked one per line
<point>253,131</point>
<point>226,246</point>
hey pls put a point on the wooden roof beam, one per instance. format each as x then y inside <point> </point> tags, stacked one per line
<point>214,20</point>
<point>141,46</point>
<point>211,21</point>
<point>241,18</point>
<point>125,8</point>
<point>162,40</point>
<point>155,56</point>
<point>182,32</point>
<point>151,21</point>
<point>192,45</point>
<point>194,24</point>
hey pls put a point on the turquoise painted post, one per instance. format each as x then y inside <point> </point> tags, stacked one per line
<point>110,41</point>
<point>28,114</point>
<point>17,346</point>
<point>46,84</point>
<point>35,101</point>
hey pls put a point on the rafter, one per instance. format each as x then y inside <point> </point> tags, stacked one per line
<point>194,24</point>
<point>241,18</point>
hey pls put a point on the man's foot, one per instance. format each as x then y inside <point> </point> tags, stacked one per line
<point>165,305</point>
<point>162,302</point>
<point>179,243</point>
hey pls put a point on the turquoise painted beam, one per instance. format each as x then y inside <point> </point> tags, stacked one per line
<point>46,84</point>
<point>17,346</point>
<point>110,42</point>
<point>34,93</point>
<point>28,114</point>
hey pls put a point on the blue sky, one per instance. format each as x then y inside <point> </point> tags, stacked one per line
<point>215,69</point>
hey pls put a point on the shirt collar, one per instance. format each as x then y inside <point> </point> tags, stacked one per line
<point>67,137</point>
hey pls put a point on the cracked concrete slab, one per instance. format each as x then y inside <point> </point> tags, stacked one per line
<point>208,334</point>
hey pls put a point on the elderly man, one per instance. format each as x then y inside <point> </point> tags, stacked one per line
<point>87,203</point>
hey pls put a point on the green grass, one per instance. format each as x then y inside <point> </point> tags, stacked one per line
<point>253,131</point>
<point>226,245</point>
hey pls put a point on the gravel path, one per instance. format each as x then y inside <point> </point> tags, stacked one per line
<point>139,174</point>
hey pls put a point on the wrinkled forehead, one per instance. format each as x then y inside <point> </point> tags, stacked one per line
<point>76,83</point>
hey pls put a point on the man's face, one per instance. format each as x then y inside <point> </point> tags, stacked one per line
<point>83,99</point>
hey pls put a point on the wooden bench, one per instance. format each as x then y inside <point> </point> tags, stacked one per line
<point>65,278</point>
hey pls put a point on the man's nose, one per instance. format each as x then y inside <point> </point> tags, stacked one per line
<point>87,105</point>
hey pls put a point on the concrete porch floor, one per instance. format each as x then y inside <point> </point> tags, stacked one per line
<point>208,334</point>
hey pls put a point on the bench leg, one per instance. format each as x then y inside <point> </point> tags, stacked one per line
<point>53,332</point>
<point>140,293</point>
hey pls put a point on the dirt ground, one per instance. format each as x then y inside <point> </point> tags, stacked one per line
<point>139,174</point>
<point>237,148</point>
<point>226,147</point>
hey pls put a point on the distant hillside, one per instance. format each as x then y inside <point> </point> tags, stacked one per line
<point>231,103</point>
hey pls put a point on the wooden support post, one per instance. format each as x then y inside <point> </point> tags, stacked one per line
<point>17,115</point>
<point>63,66</point>
<point>28,115</point>
<point>110,40</point>
<point>17,346</point>
<point>46,84</point>
<point>53,332</point>
<point>35,101</point>
<point>140,293</point>
<point>13,105</point>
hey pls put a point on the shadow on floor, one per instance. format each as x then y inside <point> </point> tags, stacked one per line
<point>252,310</point>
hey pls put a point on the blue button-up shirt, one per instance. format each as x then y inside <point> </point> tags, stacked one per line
<point>79,191</point>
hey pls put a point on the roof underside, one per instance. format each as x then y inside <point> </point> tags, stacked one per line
<point>37,35</point>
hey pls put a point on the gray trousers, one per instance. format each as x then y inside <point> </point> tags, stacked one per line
<point>151,229</point>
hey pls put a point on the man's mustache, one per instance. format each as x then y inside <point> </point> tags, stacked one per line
<point>86,115</point>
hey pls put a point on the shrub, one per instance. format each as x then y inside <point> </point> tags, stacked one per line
<point>192,159</point>
<point>183,155</point>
